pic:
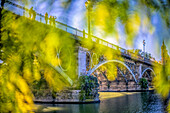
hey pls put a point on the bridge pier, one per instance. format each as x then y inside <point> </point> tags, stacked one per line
<point>140,71</point>
<point>81,61</point>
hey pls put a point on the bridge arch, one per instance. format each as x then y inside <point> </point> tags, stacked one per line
<point>148,69</point>
<point>121,74</point>
<point>108,61</point>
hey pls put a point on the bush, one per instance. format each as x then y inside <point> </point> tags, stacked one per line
<point>82,95</point>
<point>143,83</point>
<point>89,85</point>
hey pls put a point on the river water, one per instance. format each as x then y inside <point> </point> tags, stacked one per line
<point>111,102</point>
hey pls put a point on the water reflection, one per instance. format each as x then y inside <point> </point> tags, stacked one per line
<point>145,102</point>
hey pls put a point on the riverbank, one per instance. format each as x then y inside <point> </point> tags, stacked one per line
<point>110,94</point>
<point>110,102</point>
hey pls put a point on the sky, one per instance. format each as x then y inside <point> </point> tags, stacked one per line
<point>75,17</point>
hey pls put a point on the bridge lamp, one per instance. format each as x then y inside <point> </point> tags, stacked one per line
<point>89,7</point>
<point>144,47</point>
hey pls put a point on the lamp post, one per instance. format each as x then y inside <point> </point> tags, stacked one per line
<point>144,47</point>
<point>89,7</point>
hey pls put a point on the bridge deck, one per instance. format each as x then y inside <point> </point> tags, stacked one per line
<point>22,11</point>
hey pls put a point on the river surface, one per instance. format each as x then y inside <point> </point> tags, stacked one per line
<point>111,102</point>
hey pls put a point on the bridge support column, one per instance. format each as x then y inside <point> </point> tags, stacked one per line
<point>140,71</point>
<point>81,61</point>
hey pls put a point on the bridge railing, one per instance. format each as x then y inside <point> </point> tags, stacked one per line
<point>22,11</point>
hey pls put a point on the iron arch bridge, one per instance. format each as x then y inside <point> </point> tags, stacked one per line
<point>125,84</point>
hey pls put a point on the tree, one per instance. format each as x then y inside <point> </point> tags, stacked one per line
<point>143,83</point>
<point>30,50</point>
<point>161,81</point>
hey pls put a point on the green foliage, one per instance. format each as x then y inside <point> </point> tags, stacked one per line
<point>29,51</point>
<point>162,78</point>
<point>82,95</point>
<point>40,88</point>
<point>143,83</point>
<point>89,85</point>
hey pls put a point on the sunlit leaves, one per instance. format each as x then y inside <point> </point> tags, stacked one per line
<point>49,48</point>
<point>162,79</point>
<point>161,7</point>
<point>29,53</point>
<point>15,92</point>
<point>36,69</point>
<point>101,17</point>
<point>132,27</point>
<point>111,71</point>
